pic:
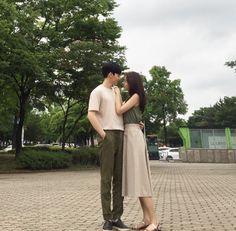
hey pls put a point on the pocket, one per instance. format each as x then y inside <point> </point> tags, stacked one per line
<point>101,140</point>
<point>105,137</point>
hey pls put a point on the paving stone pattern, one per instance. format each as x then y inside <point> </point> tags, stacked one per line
<point>189,197</point>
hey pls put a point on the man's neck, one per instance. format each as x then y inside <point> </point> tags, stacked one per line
<point>106,83</point>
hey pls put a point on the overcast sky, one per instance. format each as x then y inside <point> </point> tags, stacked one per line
<point>191,38</point>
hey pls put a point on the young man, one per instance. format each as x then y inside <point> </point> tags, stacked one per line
<point>109,126</point>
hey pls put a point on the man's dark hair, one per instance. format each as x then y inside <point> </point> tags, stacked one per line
<point>112,67</point>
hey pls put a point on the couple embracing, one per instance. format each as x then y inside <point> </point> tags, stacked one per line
<point>124,164</point>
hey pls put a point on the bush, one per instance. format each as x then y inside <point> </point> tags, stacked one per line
<point>42,148</point>
<point>85,156</point>
<point>7,162</point>
<point>37,160</point>
<point>46,158</point>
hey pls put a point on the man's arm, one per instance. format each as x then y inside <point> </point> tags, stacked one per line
<point>95,123</point>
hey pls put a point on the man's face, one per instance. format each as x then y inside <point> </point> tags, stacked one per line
<point>115,78</point>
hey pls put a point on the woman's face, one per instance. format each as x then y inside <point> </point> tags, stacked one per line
<point>126,85</point>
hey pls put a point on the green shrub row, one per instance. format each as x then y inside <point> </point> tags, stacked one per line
<point>85,156</point>
<point>40,158</point>
<point>37,160</point>
<point>43,148</point>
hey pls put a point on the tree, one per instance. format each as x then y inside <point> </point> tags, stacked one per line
<point>93,41</point>
<point>33,131</point>
<point>231,64</point>
<point>204,117</point>
<point>225,112</point>
<point>7,111</point>
<point>49,44</point>
<point>23,57</point>
<point>174,138</point>
<point>165,100</point>
<point>50,123</point>
<point>84,133</point>
<point>220,115</point>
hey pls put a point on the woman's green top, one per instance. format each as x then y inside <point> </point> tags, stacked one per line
<point>133,116</point>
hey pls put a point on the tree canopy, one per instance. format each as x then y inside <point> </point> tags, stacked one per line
<point>220,115</point>
<point>165,100</point>
<point>53,49</point>
<point>231,64</point>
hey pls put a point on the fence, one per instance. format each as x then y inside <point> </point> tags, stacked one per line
<point>208,138</point>
<point>208,145</point>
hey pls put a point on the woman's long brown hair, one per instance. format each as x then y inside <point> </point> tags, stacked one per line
<point>135,83</point>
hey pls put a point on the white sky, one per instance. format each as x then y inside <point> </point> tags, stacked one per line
<point>191,38</point>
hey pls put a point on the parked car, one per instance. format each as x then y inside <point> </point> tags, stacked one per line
<point>8,148</point>
<point>163,152</point>
<point>42,145</point>
<point>173,154</point>
<point>167,153</point>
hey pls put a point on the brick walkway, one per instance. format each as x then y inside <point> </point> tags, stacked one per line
<point>190,197</point>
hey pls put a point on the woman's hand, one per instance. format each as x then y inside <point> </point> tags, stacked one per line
<point>117,90</point>
<point>141,125</point>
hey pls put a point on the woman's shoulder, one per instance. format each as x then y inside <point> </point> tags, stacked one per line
<point>136,97</point>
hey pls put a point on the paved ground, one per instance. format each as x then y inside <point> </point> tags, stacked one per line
<point>190,197</point>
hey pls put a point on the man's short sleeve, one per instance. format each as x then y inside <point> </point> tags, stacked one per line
<point>94,101</point>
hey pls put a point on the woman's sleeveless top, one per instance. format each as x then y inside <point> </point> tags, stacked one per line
<point>133,116</point>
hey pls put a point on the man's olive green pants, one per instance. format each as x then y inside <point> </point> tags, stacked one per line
<point>111,157</point>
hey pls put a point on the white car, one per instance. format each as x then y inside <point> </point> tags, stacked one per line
<point>8,148</point>
<point>167,153</point>
<point>163,152</point>
<point>173,154</point>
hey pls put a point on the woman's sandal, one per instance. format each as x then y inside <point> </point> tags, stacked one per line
<point>140,225</point>
<point>153,227</point>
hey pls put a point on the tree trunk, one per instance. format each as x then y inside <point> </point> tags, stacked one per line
<point>164,124</point>
<point>66,136</point>
<point>92,140</point>
<point>14,132</point>
<point>20,123</point>
<point>64,132</point>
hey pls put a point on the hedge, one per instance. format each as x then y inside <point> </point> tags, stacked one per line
<point>85,156</point>
<point>40,158</point>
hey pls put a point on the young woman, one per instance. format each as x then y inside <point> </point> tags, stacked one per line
<point>136,177</point>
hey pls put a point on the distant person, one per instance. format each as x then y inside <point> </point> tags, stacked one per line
<point>104,119</point>
<point>136,179</point>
